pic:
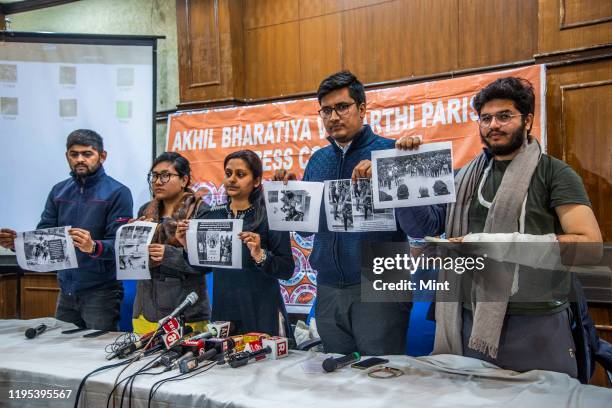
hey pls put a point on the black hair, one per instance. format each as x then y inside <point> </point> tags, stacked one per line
<point>180,164</point>
<point>85,137</point>
<point>518,90</point>
<point>256,198</point>
<point>339,80</point>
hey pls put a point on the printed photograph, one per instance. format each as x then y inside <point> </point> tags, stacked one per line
<point>48,247</point>
<point>411,178</point>
<point>340,202</point>
<point>293,207</point>
<point>133,248</point>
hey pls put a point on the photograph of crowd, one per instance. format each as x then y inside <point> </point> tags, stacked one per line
<point>413,178</point>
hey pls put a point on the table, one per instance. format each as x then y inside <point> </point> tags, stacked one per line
<point>57,361</point>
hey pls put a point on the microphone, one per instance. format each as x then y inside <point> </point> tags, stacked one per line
<point>189,301</point>
<point>156,344</point>
<point>221,345</point>
<point>152,350</point>
<point>35,331</point>
<point>202,336</point>
<point>169,357</point>
<point>128,349</point>
<point>242,358</point>
<point>184,349</point>
<point>189,364</point>
<point>182,357</point>
<point>331,364</point>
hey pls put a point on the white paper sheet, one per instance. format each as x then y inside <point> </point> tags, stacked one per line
<point>293,207</point>
<point>46,250</point>
<point>215,243</point>
<point>408,178</point>
<point>348,208</point>
<point>132,250</point>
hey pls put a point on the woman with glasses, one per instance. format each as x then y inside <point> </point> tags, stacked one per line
<point>172,278</point>
<point>250,297</point>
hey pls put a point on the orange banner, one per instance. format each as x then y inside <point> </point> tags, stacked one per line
<point>285,134</point>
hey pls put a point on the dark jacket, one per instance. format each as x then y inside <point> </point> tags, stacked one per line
<point>100,205</point>
<point>250,297</point>
<point>589,347</point>
<point>169,285</point>
<point>336,256</point>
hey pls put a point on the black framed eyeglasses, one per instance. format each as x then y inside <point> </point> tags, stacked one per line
<point>163,177</point>
<point>341,109</point>
<point>503,118</point>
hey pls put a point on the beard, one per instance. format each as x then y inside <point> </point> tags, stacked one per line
<point>87,171</point>
<point>517,138</point>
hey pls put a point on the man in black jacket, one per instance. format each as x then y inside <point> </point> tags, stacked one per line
<point>95,205</point>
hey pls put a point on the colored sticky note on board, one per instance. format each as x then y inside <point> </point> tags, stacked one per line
<point>124,110</point>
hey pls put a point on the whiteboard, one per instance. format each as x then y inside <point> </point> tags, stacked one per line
<point>47,90</point>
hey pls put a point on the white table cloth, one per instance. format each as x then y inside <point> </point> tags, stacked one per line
<point>57,361</point>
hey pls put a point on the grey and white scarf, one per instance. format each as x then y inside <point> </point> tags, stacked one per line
<point>502,217</point>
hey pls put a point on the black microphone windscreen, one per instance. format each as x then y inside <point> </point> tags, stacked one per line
<point>330,364</point>
<point>35,331</point>
<point>30,333</point>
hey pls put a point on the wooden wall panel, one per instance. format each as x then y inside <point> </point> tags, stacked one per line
<point>262,13</point>
<point>585,23</point>
<point>314,8</point>
<point>208,42</point>
<point>315,34</point>
<point>429,37</point>
<point>285,47</point>
<point>496,31</point>
<point>311,8</point>
<point>579,99</point>
<point>343,5</point>
<point>39,292</point>
<point>272,60</point>
<point>586,12</point>
<point>370,42</point>
<point>203,43</point>
<point>235,38</point>
<point>8,296</point>
<point>586,142</point>
<point>380,40</point>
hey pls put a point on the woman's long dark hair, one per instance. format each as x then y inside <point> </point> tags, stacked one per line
<point>180,164</point>
<point>256,198</point>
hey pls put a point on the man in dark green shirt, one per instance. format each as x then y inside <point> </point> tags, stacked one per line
<point>514,187</point>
